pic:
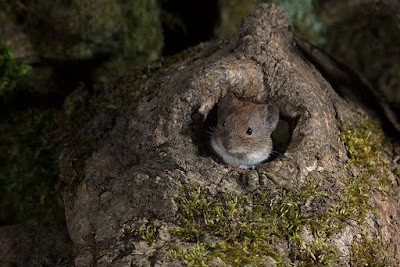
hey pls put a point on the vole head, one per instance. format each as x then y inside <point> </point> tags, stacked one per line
<point>244,127</point>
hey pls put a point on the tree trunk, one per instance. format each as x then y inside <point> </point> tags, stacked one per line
<point>131,172</point>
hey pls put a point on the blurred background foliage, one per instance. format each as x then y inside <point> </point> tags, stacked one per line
<point>12,74</point>
<point>48,47</point>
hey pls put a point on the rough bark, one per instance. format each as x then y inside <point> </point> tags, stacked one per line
<point>138,158</point>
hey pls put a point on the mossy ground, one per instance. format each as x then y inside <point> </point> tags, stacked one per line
<point>244,229</point>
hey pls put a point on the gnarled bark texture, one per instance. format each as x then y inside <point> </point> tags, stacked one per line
<point>143,154</point>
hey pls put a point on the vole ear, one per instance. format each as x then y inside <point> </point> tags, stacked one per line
<point>270,114</point>
<point>227,101</point>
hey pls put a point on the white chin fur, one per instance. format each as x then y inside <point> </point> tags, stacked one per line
<point>250,159</point>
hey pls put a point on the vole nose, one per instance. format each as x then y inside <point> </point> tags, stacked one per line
<point>227,144</point>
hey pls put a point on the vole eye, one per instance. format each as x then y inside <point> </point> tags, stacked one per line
<point>223,124</point>
<point>249,131</point>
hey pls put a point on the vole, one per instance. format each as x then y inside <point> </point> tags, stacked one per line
<point>242,137</point>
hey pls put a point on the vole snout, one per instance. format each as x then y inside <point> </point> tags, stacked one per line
<point>228,144</point>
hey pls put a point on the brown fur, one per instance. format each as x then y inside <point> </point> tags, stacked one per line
<point>239,116</point>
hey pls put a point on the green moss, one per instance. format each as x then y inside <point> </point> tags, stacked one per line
<point>356,205</point>
<point>199,255</point>
<point>293,218</point>
<point>12,75</point>
<point>242,230</point>
<point>147,232</point>
<point>363,140</point>
<point>368,252</point>
<point>225,219</point>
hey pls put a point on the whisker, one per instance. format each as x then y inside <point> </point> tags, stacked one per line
<point>210,130</point>
<point>274,152</point>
